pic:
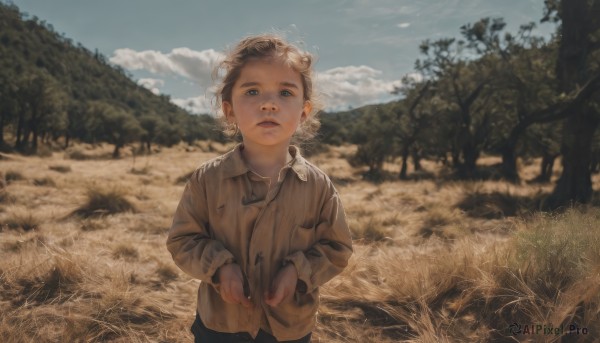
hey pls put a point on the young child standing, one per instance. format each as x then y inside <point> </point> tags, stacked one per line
<point>260,226</point>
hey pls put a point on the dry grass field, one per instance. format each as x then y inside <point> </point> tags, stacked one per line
<point>83,257</point>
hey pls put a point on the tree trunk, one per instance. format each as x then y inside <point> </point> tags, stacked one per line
<point>34,141</point>
<point>2,132</point>
<point>509,156</point>
<point>578,24</point>
<point>470,156</point>
<point>25,140</point>
<point>33,127</point>
<point>595,164</point>
<point>404,167</point>
<point>20,122</point>
<point>455,157</point>
<point>117,153</point>
<point>509,163</point>
<point>416,157</point>
<point>575,183</point>
<point>546,168</point>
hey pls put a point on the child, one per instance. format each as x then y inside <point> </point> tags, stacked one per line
<point>260,226</point>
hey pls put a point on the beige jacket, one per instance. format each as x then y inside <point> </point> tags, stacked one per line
<point>228,214</point>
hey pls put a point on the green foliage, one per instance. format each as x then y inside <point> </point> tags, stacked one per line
<point>201,127</point>
<point>541,140</point>
<point>494,86</point>
<point>377,139</point>
<point>560,248</point>
<point>114,125</point>
<point>340,127</point>
<point>51,88</point>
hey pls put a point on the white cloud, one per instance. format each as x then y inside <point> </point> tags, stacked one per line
<point>403,25</point>
<point>342,87</point>
<point>151,84</point>
<point>354,86</point>
<point>191,64</point>
<point>199,105</point>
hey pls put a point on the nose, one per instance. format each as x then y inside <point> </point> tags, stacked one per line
<point>269,105</point>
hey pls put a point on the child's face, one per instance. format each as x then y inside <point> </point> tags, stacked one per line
<point>267,103</point>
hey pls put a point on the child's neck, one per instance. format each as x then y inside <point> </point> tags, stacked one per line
<point>266,161</point>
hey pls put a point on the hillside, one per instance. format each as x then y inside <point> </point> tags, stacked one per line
<point>53,87</point>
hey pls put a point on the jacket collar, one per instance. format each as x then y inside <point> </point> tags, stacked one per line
<point>234,165</point>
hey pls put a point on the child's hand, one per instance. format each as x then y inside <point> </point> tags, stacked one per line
<point>283,285</point>
<point>232,285</point>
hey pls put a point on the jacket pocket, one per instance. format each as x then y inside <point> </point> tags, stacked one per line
<point>302,238</point>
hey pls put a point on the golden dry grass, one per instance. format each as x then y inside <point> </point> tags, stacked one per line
<point>434,261</point>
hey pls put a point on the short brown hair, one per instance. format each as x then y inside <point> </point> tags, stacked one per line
<point>261,47</point>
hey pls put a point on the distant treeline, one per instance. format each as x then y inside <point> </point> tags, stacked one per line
<point>495,92</point>
<point>51,88</point>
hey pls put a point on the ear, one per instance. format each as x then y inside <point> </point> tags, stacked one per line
<point>306,111</point>
<point>228,111</point>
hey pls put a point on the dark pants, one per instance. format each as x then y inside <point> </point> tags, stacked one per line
<point>202,334</point>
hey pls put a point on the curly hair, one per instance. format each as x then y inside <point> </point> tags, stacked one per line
<point>266,46</point>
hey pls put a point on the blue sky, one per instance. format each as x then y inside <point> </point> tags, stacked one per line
<point>363,47</point>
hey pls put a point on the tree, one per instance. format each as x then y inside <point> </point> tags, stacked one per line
<point>414,121</point>
<point>463,83</point>
<point>114,125</point>
<point>377,140</point>
<point>39,98</point>
<point>523,83</point>
<point>543,140</point>
<point>576,66</point>
<point>34,58</point>
<point>151,125</point>
<point>8,105</point>
<point>520,66</point>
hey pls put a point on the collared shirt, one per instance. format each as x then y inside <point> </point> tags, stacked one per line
<point>230,214</point>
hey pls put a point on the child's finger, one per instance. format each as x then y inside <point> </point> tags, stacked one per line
<point>246,302</point>
<point>239,297</point>
<point>231,292</point>
<point>275,298</point>
<point>227,298</point>
<point>226,295</point>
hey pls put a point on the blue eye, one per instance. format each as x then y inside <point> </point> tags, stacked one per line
<point>286,93</point>
<point>252,92</point>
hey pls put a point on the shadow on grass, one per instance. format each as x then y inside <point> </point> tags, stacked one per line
<point>379,176</point>
<point>497,205</point>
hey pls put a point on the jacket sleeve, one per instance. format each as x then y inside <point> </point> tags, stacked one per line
<point>189,240</point>
<point>330,254</point>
